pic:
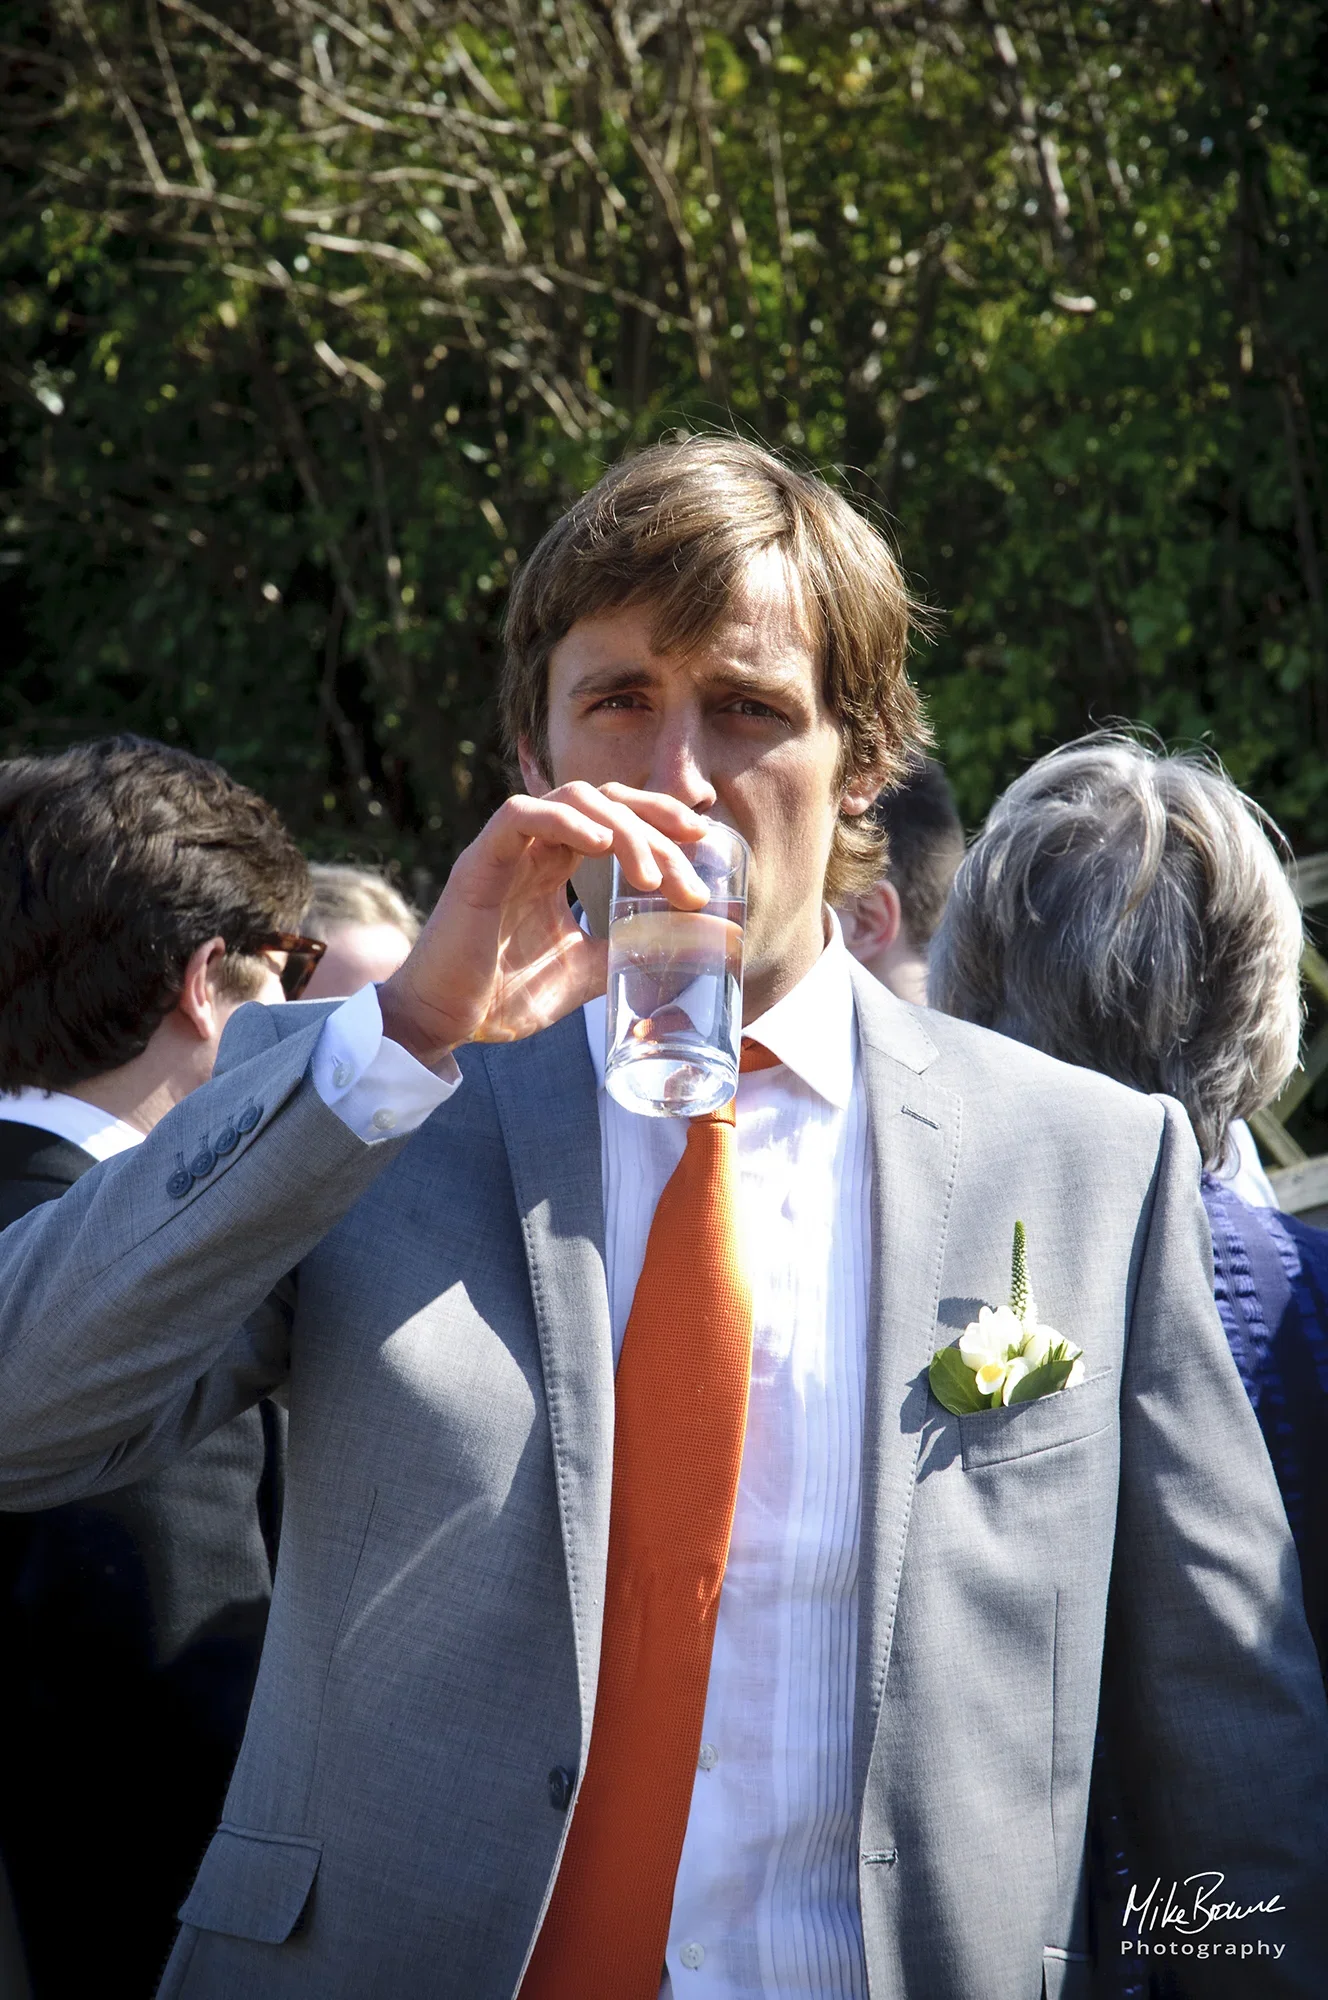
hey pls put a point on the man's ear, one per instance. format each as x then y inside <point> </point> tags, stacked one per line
<point>861,792</point>
<point>533,776</point>
<point>197,1004</point>
<point>872,921</point>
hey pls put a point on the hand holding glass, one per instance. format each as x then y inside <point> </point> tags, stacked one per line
<point>675,987</point>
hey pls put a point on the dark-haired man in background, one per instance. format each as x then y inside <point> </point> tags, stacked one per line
<point>144,895</point>
<point>889,927</point>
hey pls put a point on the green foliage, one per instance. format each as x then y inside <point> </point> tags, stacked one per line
<point>952,1383</point>
<point>1053,1374</point>
<point>314,318</point>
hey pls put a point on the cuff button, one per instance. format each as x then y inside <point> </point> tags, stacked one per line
<point>202,1163</point>
<point>180,1181</point>
<point>249,1117</point>
<point>226,1140</point>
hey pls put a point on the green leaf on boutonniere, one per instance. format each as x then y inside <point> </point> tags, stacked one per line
<point>952,1383</point>
<point>1043,1381</point>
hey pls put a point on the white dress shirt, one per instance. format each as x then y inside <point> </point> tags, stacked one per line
<point>97,1132</point>
<point>370,1082</point>
<point>765,1903</point>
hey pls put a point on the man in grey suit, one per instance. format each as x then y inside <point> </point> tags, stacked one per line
<point>430,1226</point>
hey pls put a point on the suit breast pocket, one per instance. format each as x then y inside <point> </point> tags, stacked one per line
<point>1022,1430</point>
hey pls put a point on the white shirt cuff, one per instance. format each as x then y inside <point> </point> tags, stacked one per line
<point>371,1083</point>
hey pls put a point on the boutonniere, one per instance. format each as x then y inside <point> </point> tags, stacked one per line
<point>1004,1355</point>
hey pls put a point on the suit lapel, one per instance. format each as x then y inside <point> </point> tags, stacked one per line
<point>544,1089</point>
<point>915,1144</point>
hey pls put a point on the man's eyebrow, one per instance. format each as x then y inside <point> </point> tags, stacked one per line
<point>763,680</point>
<point>613,680</point>
<point>626,677</point>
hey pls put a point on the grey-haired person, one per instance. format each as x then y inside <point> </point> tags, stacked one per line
<point>1129,911</point>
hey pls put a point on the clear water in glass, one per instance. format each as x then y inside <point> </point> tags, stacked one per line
<point>674,1004</point>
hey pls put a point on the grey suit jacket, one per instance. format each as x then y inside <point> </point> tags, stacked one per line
<point>439,1306</point>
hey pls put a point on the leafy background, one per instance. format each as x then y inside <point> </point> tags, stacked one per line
<point>315,315</point>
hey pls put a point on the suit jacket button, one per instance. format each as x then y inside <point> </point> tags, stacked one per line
<point>561,1782</point>
<point>179,1183</point>
<point>226,1140</point>
<point>202,1163</point>
<point>249,1117</point>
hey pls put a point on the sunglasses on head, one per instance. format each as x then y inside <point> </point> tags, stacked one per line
<point>302,955</point>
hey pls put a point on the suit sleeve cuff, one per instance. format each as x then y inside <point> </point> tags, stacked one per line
<point>372,1084</point>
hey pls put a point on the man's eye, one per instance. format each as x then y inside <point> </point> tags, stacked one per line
<point>750,706</point>
<point>616,701</point>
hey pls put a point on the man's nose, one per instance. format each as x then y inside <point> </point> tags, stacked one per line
<point>678,767</point>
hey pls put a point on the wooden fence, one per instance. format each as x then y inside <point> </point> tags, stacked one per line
<point>1300,1179</point>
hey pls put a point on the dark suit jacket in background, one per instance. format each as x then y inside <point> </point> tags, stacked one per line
<point>132,1626</point>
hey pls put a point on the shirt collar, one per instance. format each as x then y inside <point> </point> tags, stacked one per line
<point>810,1029</point>
<point>98,1132</point>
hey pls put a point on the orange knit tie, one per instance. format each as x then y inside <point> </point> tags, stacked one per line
<point>680,1416</point>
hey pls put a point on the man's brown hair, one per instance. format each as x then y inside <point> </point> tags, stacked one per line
<point>677,527</point>
<point>117,860</point>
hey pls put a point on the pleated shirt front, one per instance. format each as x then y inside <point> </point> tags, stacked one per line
<point>765,1904</point>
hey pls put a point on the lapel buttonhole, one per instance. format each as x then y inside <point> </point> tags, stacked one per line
<point>909,1112</point>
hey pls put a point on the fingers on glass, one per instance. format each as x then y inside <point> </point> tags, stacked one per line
<point>590,819</point>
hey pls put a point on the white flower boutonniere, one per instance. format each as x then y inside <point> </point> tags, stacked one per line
<point>1004,1355</point>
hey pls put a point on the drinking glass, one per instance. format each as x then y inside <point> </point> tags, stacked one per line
<point>675,986</point>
